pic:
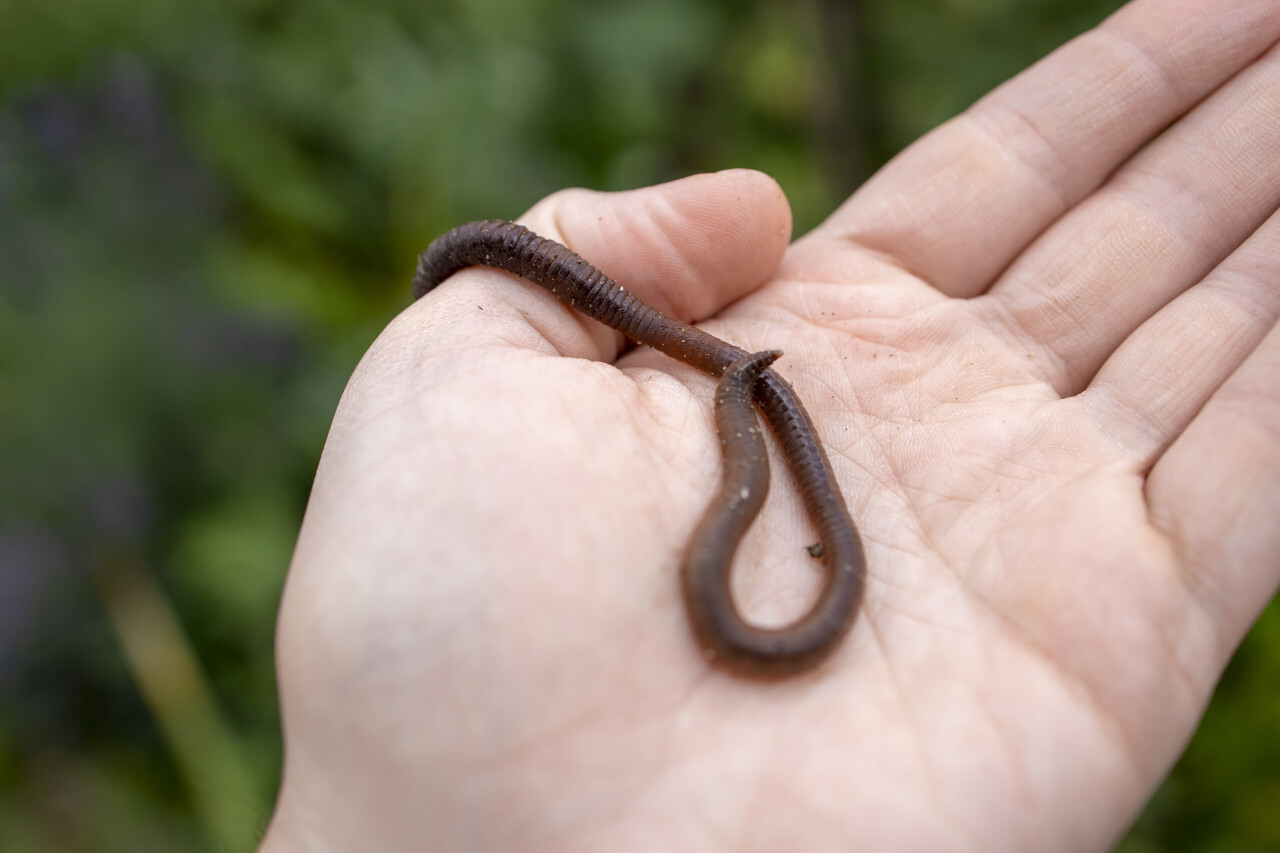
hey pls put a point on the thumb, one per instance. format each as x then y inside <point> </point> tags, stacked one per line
<point>688,248</point>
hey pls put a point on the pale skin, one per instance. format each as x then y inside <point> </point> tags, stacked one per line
<point>1041,349</point>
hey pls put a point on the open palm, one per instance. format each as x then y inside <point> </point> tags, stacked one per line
<point>1040,348</point>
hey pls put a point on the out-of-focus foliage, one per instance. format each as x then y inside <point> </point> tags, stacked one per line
<point>209,209</point>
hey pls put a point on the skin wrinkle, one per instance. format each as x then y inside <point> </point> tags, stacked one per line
<point>1048,171</point>
<point>942,499</point>
<point>909,486</point>
<point>862,243</point>
<point>1100,395</point>
<point>689,261</point>
<point>1263,89</point>
<point>874,274</point>
<point>679,296</point>
<point>843,242</point>
<point>1064,300</point>
<point>1181,667</point>
<point>1128,738</point>
<point>1012,319</point>
<point>364,387</point>
<point>1095,690</point>
<point>1138,189</point>
<point>858,496</point>
<point>516,326</point>
<point>1244,403</point>
<point>1166,84</point>
<point>1194,577</point>
<point>961,514</point>
<point>1243,292</point>
<point>1182,188</point>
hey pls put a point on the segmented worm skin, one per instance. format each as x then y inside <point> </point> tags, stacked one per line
<point>727,639</point>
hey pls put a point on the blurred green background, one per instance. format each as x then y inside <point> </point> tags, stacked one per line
<point>207,212</point>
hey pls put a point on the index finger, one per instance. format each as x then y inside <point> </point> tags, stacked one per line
<point>961,203</point>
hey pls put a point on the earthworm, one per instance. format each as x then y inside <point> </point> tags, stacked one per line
<point>727,639</point>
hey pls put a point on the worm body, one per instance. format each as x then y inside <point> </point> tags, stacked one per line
<point>724,634</point>
<point>727,639</point>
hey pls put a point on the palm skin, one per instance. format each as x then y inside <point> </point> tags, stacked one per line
<point>1040,347</point>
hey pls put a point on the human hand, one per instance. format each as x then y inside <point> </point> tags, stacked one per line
<point>1047,373</point>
